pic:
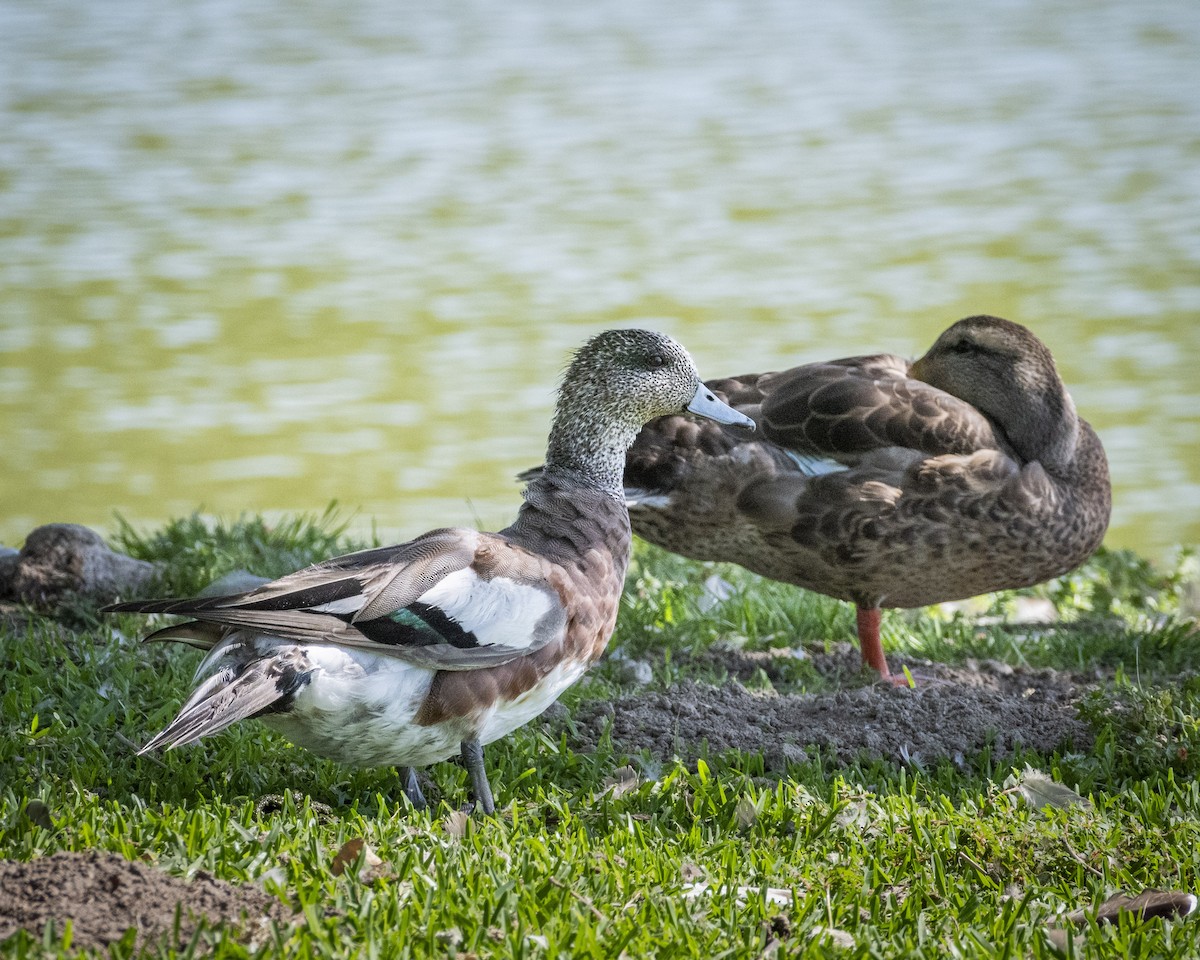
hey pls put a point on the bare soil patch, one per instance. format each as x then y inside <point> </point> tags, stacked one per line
<point>954,712</point>
<point>104,895</point>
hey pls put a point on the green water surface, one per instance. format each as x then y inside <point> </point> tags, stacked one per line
<point>264,256</point>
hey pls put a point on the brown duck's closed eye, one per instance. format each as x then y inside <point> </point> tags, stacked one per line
<point>884,482</point>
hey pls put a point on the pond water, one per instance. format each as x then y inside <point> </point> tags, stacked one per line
<point>264,256</point>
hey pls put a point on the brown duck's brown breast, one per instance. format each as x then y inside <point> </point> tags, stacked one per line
<point>927,531</point>
<point>952,542</point>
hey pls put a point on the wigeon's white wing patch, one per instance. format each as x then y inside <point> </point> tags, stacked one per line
<point>498,612</point>
<point>341,607</point>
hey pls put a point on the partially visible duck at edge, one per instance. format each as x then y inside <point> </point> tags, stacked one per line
<point>410,654</point>
<point>885,482</point>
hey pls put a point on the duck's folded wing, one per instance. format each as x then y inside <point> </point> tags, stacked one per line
<point>451,600</point>
<point>661,457</point>
<point>848,408</point>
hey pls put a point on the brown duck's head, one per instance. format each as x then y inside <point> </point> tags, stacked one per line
<point>1008,374</point>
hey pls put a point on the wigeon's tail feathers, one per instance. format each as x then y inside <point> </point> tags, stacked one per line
<point>233,693</point>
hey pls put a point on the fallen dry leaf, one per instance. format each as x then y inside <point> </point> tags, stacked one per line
<point>1147,905</point>
<point>716,591</point>
<point>1168,904</point>
<point>348,855</point>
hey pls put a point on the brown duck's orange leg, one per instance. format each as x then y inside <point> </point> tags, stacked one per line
<point>869,619</point>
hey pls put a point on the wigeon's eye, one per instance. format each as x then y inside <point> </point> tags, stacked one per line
<point>657,361</point>
<point>962,346</point>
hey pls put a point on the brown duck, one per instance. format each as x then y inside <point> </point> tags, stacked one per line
<point>884,482</point>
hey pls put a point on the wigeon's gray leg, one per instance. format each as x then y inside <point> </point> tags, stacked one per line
<point>481,790</point>
<point>412,789</point>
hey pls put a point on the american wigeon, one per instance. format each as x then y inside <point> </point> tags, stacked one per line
<point>407,655</point>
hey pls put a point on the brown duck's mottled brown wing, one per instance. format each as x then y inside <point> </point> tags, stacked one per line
<point>660,457</point>
<point>845,409</point>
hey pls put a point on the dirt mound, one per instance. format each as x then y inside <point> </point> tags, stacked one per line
<point>104,895</point>
<point>952,714</point>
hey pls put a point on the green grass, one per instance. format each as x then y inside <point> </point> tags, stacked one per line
<point>865,860</point>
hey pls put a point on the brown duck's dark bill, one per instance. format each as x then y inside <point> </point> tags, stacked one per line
<point>706,404</point>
